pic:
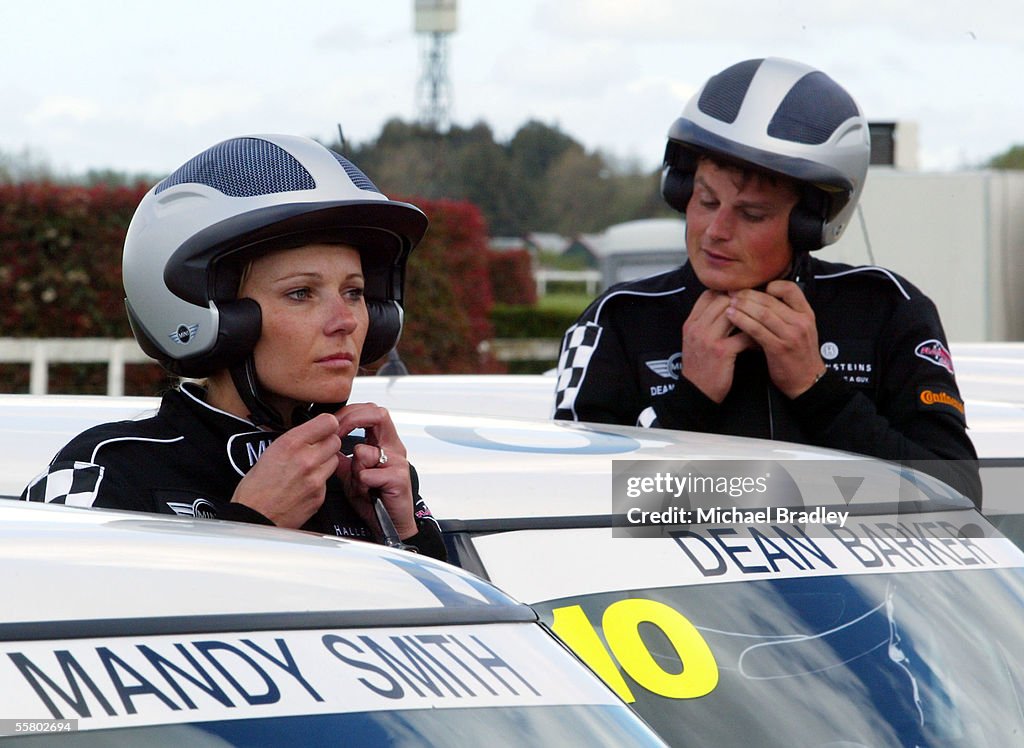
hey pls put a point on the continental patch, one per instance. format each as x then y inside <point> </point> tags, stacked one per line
<point>930,398</point>
<point>934,352</point>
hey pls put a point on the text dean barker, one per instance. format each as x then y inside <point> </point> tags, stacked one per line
<point>732,516</point>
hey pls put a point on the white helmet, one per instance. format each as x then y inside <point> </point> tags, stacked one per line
<point>784,117</point>
<point>192,233</point>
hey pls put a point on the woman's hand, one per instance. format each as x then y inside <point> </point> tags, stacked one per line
<point>377,467</point>
<point>289,481</point>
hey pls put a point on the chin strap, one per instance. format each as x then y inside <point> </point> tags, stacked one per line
<point>801,272</point>
<point>249,389</point>
<point>261,412</point>
<point>300,414</point>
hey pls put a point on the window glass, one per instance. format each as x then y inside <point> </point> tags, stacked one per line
<point>913,659</point>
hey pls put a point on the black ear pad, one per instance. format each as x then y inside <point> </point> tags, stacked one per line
<point>807,221</point>
<point>384,330</point>
<point>676,187</point>
<point>239,325</point>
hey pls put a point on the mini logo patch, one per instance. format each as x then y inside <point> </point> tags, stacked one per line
<point>184,334</point>
<point>934,352</point>
<point>668,368</point>
<point>202,508</point>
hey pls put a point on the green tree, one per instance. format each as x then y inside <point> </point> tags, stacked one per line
<point>536,147</point>
<point>1011,159</point>
<point>483,171</point>
<point>539,180</point>
<point>578,191</point>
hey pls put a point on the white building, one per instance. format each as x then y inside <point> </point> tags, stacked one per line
<point>958,236</point>
<point>635,249</point>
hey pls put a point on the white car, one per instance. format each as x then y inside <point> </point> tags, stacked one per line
<point>132,629</point>
<point>990,375</point>
<point>881,609</point>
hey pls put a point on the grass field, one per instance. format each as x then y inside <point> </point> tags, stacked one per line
<point>566,302</point>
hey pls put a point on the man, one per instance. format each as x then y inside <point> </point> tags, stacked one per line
<point>752,336</point>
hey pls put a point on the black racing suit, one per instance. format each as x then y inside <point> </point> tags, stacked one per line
<point>187,460</point>
<point>889,391</point>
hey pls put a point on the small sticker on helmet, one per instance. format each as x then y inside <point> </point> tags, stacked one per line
<point>184,334</point>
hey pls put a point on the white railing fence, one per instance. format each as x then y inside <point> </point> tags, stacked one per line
<point>589,279</point>
<point>39,353</point>
<point>521,349</point>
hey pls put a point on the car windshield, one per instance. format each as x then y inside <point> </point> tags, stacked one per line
<point>931,658</point>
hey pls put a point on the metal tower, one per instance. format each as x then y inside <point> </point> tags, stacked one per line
<point>435,22</point>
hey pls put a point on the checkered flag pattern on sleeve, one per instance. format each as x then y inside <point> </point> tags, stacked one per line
<point>577,348</point>
<point>71,483</point>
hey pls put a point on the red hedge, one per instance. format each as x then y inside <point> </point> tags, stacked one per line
<point>60,259</point>
<point>60,276</point>
<point>512,277</point>
<point>448,292</point>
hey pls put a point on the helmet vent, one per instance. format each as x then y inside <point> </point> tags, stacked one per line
<point>359,179</point>
<point>812,111</point>
<point>723,95</point>
<point>243,167</point>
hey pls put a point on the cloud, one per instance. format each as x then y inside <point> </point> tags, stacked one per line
<point>675,20</point>
<point>781,22</point>
<point>613,74</point>
<point>585,69</point>
<point>352,37</point>
<point>199,104</point>
<point>63,108</point>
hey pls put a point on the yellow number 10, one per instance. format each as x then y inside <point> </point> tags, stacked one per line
<point>621,624</point>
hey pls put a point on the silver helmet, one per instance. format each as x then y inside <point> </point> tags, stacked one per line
<point>192,233</point>
<point>784,117</point>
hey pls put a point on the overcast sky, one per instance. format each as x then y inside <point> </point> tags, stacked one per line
<point>143,86</point>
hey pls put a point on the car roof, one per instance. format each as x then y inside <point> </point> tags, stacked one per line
<point>990,377</point>
<point>72,572</point>
<point>483,467</point>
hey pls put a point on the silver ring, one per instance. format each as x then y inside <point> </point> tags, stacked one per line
<point>383,458</point>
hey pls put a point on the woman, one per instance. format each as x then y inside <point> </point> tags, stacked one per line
<point>271,267</point>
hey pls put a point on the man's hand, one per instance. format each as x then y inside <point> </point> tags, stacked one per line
<point>709,346</point>
<point>365,476</point>
<point>782,323</point>
<point>288,483</point>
